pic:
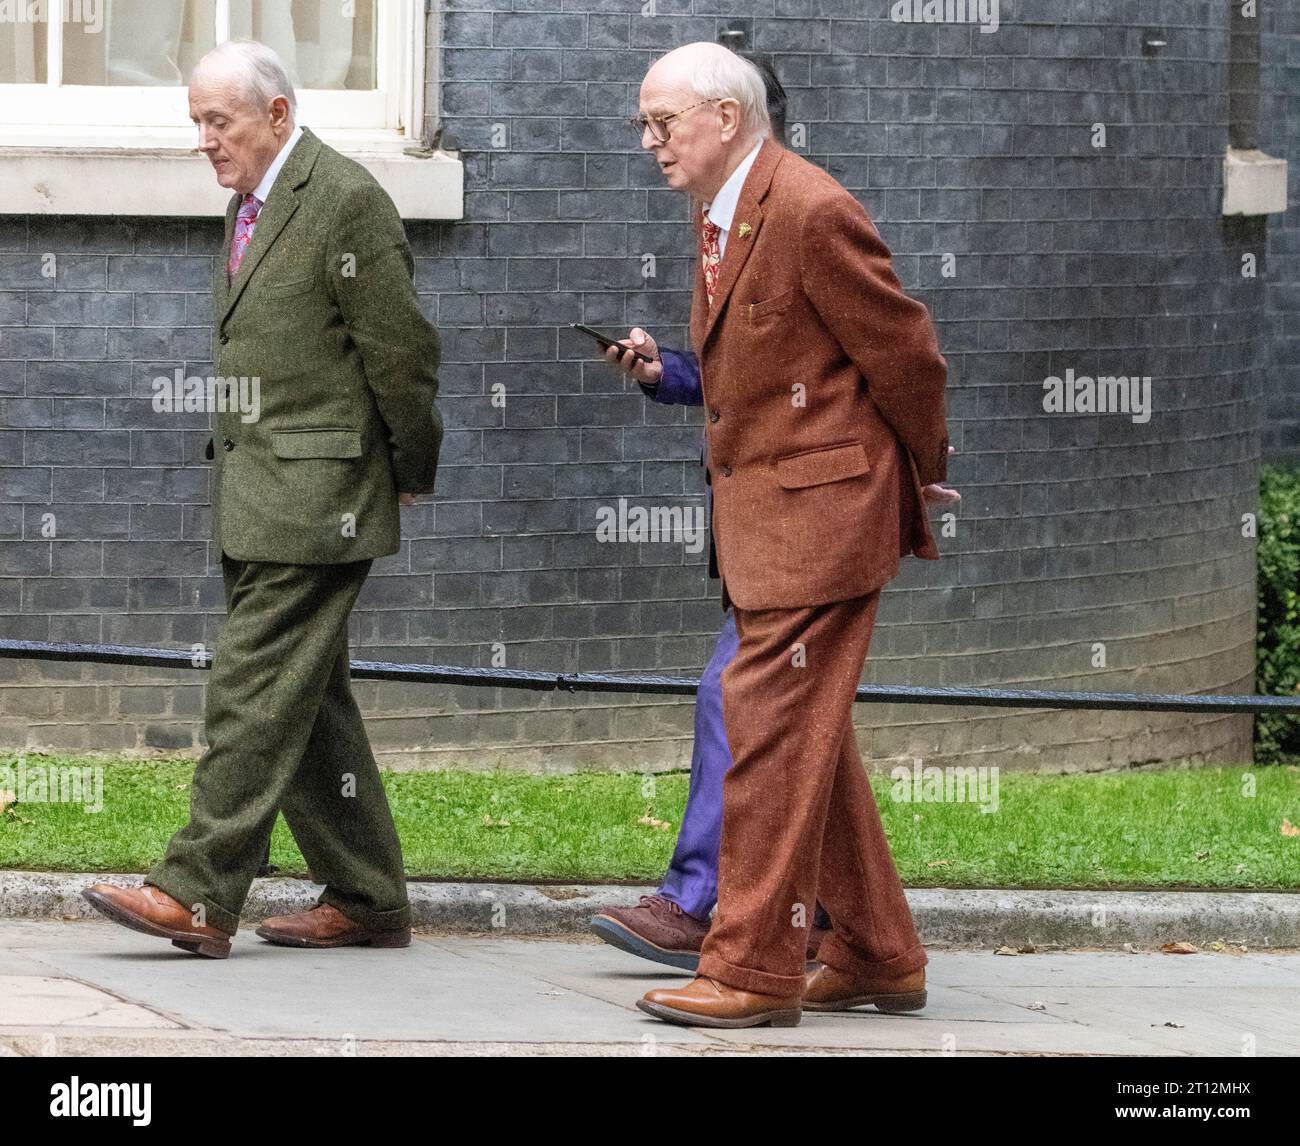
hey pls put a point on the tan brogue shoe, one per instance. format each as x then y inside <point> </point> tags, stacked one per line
<point>707,1003</point>
<point>323,925</point>
<point>153,911</point>
<point>827,989</point>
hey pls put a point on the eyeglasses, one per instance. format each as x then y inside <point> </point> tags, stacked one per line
<point>658,124</point>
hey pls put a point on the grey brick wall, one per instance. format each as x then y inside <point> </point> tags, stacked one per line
<point>1280,135</point>
<point>1076,529</point>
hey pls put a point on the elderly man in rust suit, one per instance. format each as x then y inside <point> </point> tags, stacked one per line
<point>824,408</point>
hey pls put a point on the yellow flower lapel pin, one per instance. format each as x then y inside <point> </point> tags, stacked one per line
<point>744,230</point>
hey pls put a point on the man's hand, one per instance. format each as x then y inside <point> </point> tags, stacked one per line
<point>405,499</point>
<point>647,372</point>
<point>941,494</point>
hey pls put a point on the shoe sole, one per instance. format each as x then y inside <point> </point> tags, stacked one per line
<point>787,1018</point>
<point>889,1004</point>
<point>625,939</point>
<point>375,939</point>
<point>186,940</point>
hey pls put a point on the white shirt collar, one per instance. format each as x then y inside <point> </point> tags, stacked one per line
<point>722,211</point>
<point>263,189</point>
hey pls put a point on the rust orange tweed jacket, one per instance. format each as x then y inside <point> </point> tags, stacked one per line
<point>823,395</point>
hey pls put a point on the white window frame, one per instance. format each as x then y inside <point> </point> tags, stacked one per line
<point>50,133</point>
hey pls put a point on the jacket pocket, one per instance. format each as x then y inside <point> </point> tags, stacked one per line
<point>316,443</point>
<point>818,467</point>
<point>777,304</point>
<point>287,289</point>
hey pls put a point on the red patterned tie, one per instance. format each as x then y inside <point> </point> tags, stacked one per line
<point>711,253</point>
<point>244,224</point>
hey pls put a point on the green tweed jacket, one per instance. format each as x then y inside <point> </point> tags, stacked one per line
<point>323,314</point>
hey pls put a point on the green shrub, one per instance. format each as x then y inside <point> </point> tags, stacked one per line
<point>1277,667</point>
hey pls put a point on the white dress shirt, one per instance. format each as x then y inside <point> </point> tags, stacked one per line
<point>722,211</point>
<point>263,189</point>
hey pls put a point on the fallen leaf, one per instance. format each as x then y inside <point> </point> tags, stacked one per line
<point>651,822</point>
<point>6,798</point>
<point>939,863</point>
<point>1006,951</point>
<point>489,822</point>
<point>1203,855</point>
<point>1289,829</point>
<point>1180,948</point>
<point>1038,1006</point>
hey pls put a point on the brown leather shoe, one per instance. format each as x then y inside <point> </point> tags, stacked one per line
<point>656,929</point>
<point>323,925</point>
<point>153,911</point>
<point>707,1003</point>
<point>827,989</point>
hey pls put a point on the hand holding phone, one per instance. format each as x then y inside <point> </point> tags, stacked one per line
<point>637,355</point>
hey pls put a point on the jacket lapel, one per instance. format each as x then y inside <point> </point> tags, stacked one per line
<point>749,213</point>
<point>276,212</point>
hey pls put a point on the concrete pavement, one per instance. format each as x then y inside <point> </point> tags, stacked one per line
<point>93,988</point>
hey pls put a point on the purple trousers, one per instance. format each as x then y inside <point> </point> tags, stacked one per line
<point>692,879</point>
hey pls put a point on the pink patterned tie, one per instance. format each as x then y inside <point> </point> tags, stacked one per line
<point>711,253</point>
<point>244,224</point>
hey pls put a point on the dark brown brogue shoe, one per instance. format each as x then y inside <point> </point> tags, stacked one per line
<point>707,1003</point>
<point>827,989</point>
<point>656,929</point>
<point>152,911</point>
<point>323,925</point>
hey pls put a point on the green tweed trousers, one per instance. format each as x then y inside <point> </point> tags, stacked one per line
<point>285,735</point>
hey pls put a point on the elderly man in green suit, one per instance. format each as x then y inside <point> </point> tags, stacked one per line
<point>315,308</point>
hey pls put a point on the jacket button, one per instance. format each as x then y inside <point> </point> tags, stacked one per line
<point>726,471</point>
<point>227,445</point>
<point>714,415</point>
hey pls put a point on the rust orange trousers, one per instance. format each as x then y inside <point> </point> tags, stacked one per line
<point>799,819</point>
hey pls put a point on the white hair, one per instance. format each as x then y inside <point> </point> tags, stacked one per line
<point>261,72</point>
<point>725,75</point>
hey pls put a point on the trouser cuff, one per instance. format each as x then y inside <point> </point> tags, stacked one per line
<point>748,979</point>
<point>834,952</point>
<point>394,920</point>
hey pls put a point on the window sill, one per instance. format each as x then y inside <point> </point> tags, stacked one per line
<point>1253,183</point>
<point>159,173</point>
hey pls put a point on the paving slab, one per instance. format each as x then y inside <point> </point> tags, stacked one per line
<point>98,989</point>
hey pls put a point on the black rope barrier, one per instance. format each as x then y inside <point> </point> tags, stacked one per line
<point>676,685</point>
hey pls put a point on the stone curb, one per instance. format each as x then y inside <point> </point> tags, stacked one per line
<point>967,918</point>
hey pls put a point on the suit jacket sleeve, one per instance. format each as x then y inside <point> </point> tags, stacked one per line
<point>848,276</point>
<point>680,383</point>
<point>371,273</point>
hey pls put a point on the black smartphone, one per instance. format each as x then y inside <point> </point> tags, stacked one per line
<point>606,342</point>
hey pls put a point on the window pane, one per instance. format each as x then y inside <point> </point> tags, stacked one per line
<point>22,52</point>
<point>142,43</point>
<point>325,43</point>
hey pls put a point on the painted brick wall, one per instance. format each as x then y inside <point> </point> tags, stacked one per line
<point>1076,529</point>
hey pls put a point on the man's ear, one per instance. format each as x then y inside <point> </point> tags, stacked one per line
<point>279,112</point>
<point>730,109</point>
